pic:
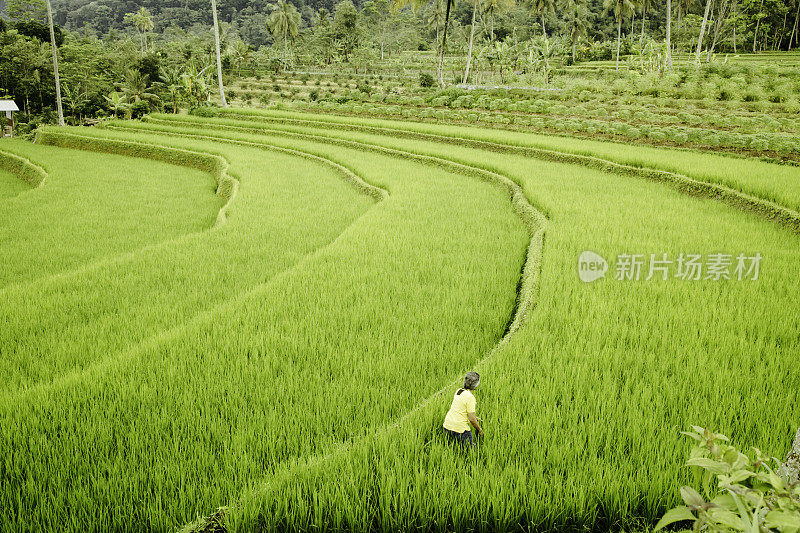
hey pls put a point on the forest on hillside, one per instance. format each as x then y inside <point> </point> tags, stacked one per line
<point>121,56</point>
<point>593,19</point>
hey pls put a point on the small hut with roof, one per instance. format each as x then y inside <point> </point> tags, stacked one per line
<point>8,107</point>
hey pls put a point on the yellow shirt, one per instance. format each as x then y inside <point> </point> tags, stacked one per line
<point>456,419</point>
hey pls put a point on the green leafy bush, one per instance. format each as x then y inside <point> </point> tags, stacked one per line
<point>139,109</point>
<point>741,494</point>
<point>426,80</point>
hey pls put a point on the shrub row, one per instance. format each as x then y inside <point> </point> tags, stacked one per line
<point>777,142</point>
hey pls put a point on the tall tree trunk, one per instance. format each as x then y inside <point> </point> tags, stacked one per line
<point>783,30</point>
<point>574,46</point>
<point>758,23</point>
<point>383,39</point>
<point>55,64</point>
<point>644,21</point>
<point>543,30</point>
<point>794,28</point>
<point>719,22</point>
<point>619,37</point>
<point>703,30</point>
<point>219,55</point>
<point>734,25</point>
<point>669,33</point>
<point>444,42</point>
<point>471,41</point>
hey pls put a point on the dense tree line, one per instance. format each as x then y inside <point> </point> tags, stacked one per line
<point>126,56</point>
<point>771,24</point>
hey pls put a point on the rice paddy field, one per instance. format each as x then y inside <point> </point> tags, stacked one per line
<point>738,104</point>
<point>260,316</point>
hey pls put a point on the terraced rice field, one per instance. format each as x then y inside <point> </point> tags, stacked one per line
<point>286,348</point>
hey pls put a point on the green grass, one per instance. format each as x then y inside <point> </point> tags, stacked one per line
<point>298,363</point>
<point>94,206</point>
<point>11,185</point>
<point>135,297</point>
<point>584,403</point>
<point>417,288</point>
<point>775,183</point>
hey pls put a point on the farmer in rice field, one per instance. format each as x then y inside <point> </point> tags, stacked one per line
<point>462,412</point>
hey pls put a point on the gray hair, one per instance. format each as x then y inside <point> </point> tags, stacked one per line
<point>471,380</point>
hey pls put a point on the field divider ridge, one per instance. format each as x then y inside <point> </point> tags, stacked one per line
<point>773,211</point>
<point>23,168</point>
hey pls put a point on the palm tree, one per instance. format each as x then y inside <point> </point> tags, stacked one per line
<point>136,88</point>
<point>645,5</point>
<point>703,29</point>
<point>496,7</point>
<point>542,7</point>
<point>173,83</point>
<point>448,5</point>
<point>76,98</point>
<point>432,20</point>
<point>576,12</point>
<point>471,41</point>
<point>755,33</point>
<point>219,57</point>
<point>621,8</point>
<point>284,21</point>
<point>55,64</point>
<point>143,22</point>
<point>681,9</point>
<point>239,54</point>
<point>794,28</point>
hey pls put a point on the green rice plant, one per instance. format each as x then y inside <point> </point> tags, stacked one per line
<point>774,183</point>
<point>43,235</point>
<point>569,367</point>
<point>11,185</point>
<point>304,384</point>
<point>138,320</point>
<point>427,209</point>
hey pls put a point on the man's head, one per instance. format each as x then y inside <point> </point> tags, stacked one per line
<point>471,380</point>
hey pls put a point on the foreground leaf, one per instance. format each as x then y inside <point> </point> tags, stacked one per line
<point>675,515</point>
